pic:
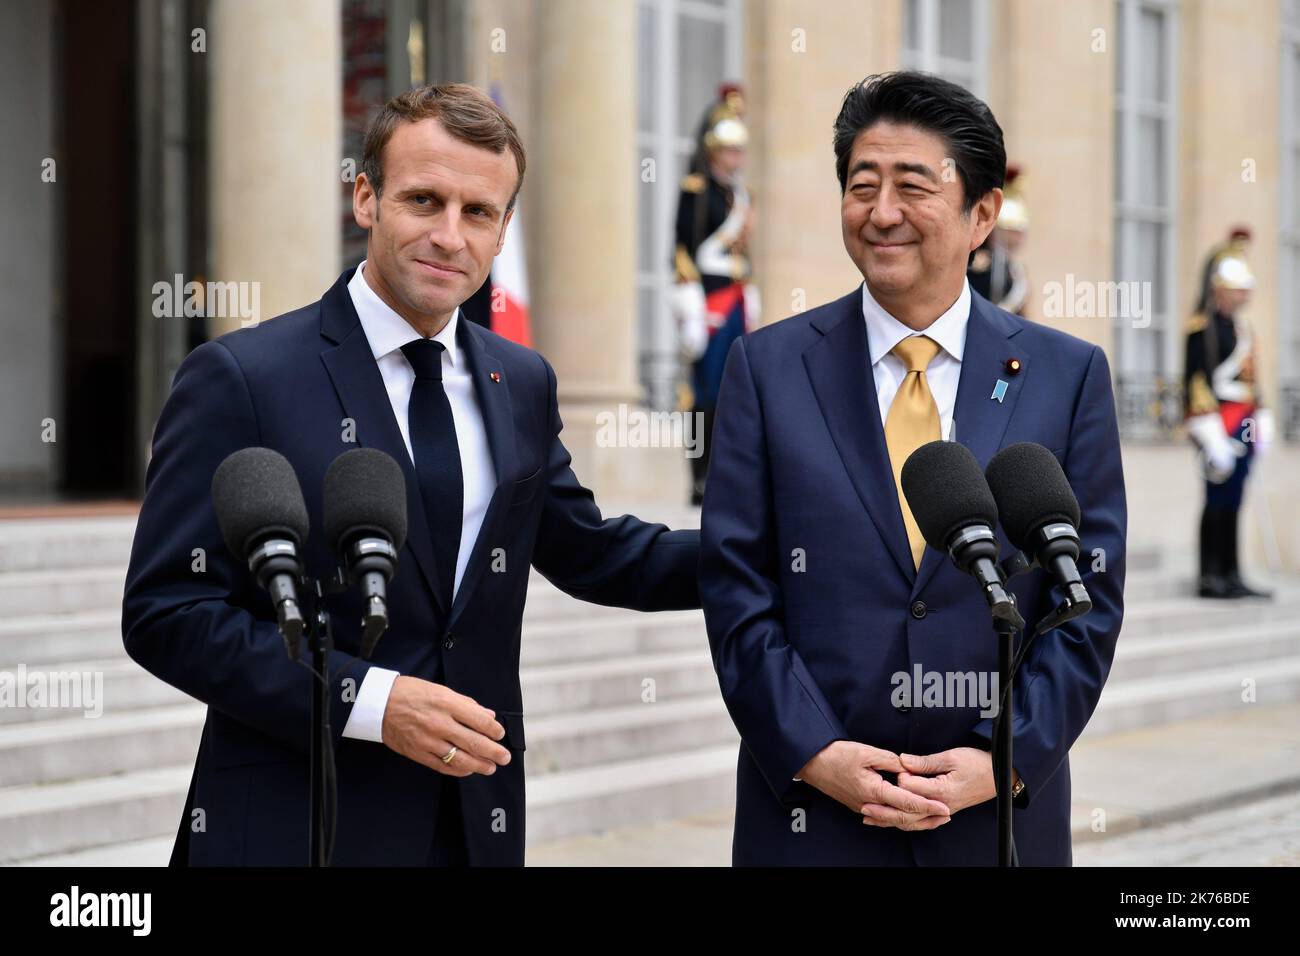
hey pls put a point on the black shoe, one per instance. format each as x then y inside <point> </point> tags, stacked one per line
<point>1238,588</point>
<point>1231,570</point>
<point>1214,586</point>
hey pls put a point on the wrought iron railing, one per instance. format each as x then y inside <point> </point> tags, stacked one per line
<point>1150,408</point>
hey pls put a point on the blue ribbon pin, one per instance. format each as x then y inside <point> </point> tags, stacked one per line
<point>999,391</point>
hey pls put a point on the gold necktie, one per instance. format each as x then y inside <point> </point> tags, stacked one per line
<point>913,420</point>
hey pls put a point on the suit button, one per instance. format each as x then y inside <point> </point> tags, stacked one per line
<point>919,609</point>
<point>450,642</point>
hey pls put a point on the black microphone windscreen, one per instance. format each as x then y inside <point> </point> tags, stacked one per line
<point>255,489</point>
<point>1031,490</point>
<point>946,491</point>
<point>365,489</point>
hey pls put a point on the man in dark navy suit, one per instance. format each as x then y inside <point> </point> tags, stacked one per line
<point>428,734</point>
<point>821,599</point>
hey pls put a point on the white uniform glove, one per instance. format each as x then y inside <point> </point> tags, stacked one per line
<point>1220,451</point>
<point>686,302</point>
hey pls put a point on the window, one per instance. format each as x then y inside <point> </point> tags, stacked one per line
<point>1148,347</point>
<point>950,38</point>
<point>685,50</point>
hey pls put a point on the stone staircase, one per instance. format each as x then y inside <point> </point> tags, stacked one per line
<point>109,790</point>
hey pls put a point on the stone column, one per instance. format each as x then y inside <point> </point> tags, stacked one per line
<point>580,197</point>
<point>802,58</point>
<point>1063,136</point>
<point>276,129</point>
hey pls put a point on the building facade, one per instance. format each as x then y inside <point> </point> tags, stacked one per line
<point>215,140</point>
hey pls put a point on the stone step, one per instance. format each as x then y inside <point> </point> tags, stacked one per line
<point>586,798</point>
<point>1168,698</point>
<point>98,588</point>
<point>42,819</point>
<point>44,639</point>
<point>77,565</point>
<point>41,592</point>
<point>619,639</point>
<point>37,819</point>
<point>565,742</point>
<point>598,756</point>
<point>153,851</point>
<point>48,638</point>
<point>557,697</point>
<point>1143,657</point>
<point>563,659</point>
<point>71,748</point>
<point>595,799</point>
<point>58,544</point>
<point>577,687</point>
<point>1174,615</point>
<point>142,808</point>
<point>604,636</point>
<point>126,687</point>
<point>54,751</point>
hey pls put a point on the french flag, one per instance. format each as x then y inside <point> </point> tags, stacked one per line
<point>509,300</point>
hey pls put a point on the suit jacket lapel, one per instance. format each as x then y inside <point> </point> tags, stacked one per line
<point>839,367</point>
<point>352,368</point>
<point>980,420</point>
<point>498,422</point>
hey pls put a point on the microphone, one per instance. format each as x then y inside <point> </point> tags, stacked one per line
<point>955,511</point>
<point>1041,517</point>
<point>263,519</point>
<point>365,523</point>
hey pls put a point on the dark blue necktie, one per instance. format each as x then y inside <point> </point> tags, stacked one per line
<point>437,458</point>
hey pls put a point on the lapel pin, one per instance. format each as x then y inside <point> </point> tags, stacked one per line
<point>1012,366</point>
<point>495,376</point>
<point>999,391</point>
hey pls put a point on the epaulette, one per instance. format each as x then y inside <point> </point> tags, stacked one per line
<point>693,183</point>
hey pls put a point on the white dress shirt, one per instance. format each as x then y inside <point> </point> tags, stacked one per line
<point>387,332</point>
<point>949,330</point>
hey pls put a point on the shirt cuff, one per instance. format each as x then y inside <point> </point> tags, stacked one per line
<point>366,721</point>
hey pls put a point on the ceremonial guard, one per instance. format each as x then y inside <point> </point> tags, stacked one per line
<point>713,300</point>
<point>996,269</point>
<point>1225,417</point>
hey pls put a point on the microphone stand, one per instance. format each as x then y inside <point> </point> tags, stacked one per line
<point>1002,738</point>
<point>1076,604</point>
<point>974,549</point>
<point>1007,622</point>
<point>320,639</point>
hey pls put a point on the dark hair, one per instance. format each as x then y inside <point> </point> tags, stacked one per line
<point>958,117</point>
<point>464,111</point>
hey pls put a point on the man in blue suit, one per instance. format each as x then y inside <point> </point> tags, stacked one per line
<point>820,595</point>
<point>428,735</point>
